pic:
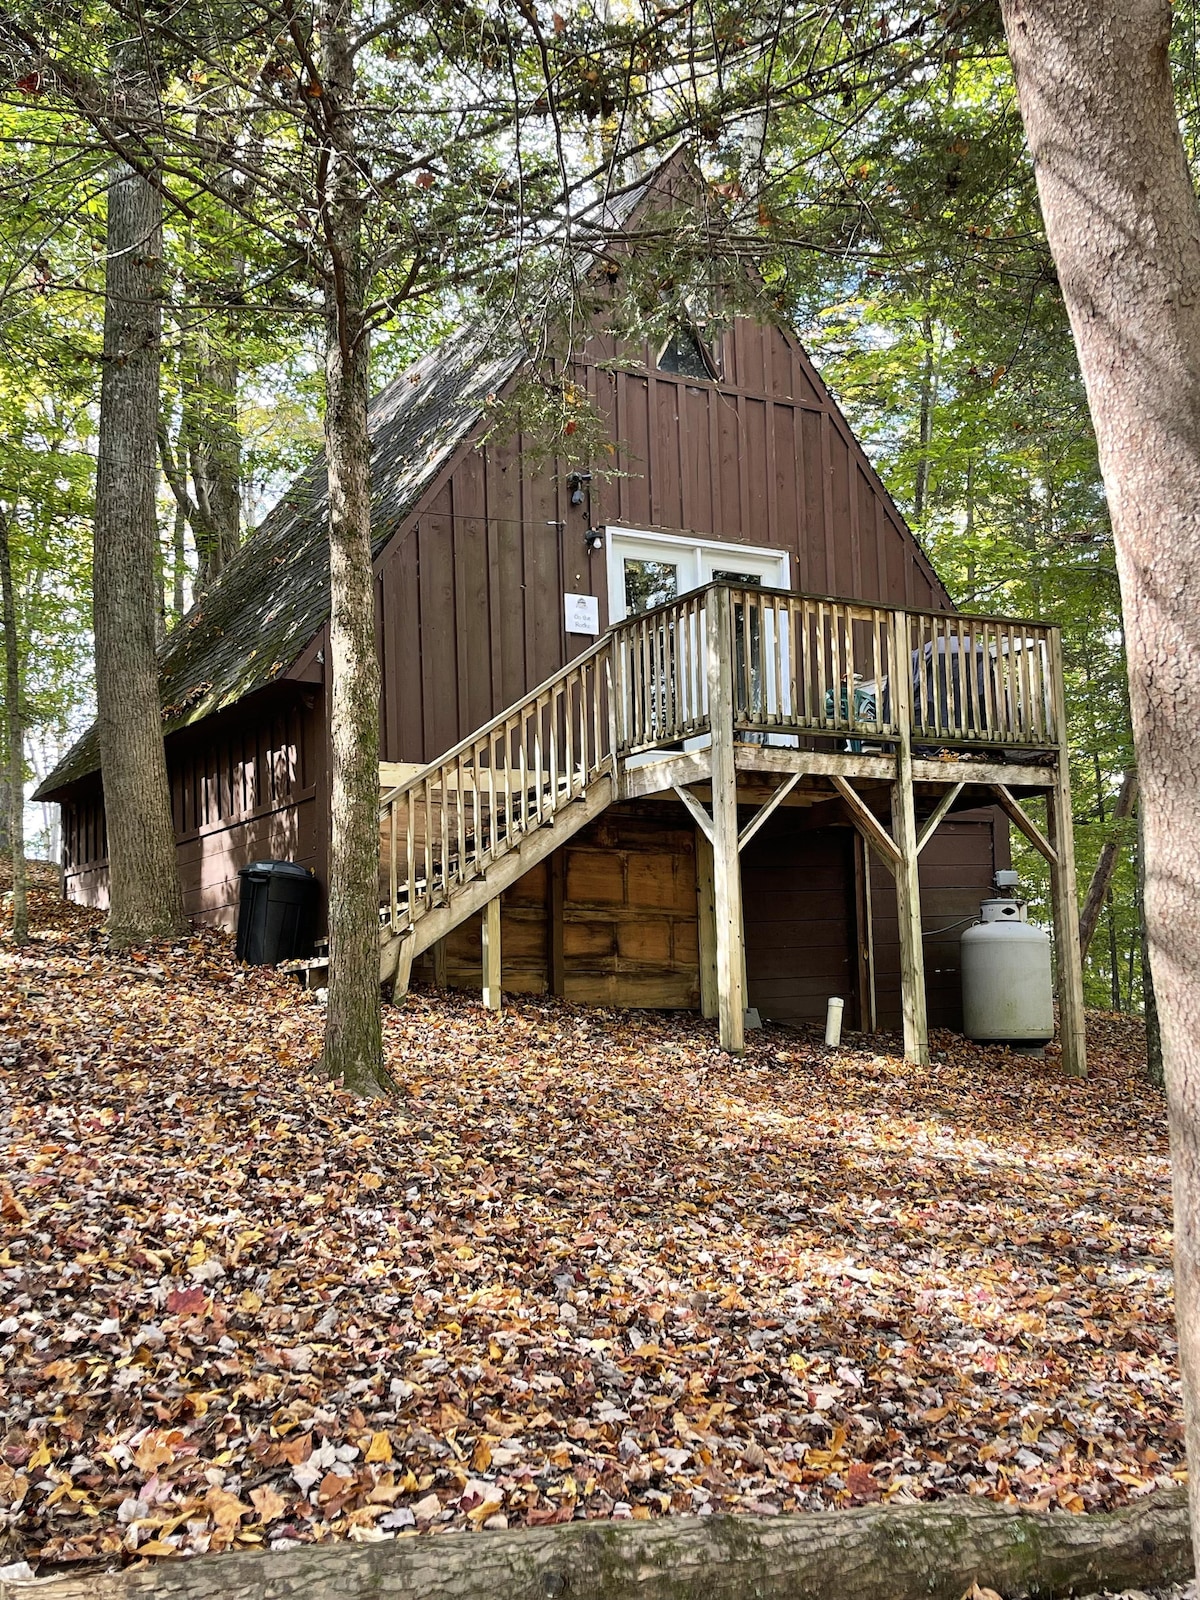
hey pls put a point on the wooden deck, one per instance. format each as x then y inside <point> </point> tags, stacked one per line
<point>750,697</point>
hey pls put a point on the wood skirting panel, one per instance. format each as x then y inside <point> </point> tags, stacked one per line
<point>629,925</point>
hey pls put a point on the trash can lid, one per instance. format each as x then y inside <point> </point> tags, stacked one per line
<point>274,869</point>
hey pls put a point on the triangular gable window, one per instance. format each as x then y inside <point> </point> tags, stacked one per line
<point>683,353</point>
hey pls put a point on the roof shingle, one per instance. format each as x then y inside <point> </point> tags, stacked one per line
<point>258,615</point>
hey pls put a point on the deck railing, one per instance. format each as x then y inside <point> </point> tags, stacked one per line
<point>444,825</point>
<point>821,667</point>
<point>800,668</point>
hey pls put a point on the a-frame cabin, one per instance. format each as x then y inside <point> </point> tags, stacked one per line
<point>738,795</point>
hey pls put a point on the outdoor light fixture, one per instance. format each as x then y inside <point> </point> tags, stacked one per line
<point>593,540</point>
<point>576,483</point>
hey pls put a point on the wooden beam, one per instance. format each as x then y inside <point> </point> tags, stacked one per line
<point>691,767</point>
<point>812,763</point>
<point>765,810</point>
<point>438,953</point>
<point>706,912</point>
<point>867,822</point>
<point>1016,774</point>
<point>940,810</point>
<point>701,817</point>
<point>557,957</point>
<point>727,871</point>
<point>491,954</point>
<point>904,827</point>
<point>1015,812</point>
<point>659,777</point>
<point>1067,957</point>
<point>395,963</point>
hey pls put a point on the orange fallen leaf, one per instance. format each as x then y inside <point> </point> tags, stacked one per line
<point>268,1502</point>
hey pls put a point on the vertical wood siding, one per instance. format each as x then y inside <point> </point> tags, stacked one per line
<point>243,788</point>
<point>470,589</point>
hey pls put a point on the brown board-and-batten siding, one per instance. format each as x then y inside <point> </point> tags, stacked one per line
<point>471,587</point>
<point>244,787</point>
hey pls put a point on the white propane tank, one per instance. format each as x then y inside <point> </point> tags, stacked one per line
<point>1007,991</point>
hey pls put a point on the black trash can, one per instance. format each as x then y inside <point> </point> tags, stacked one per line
<point>277,912</point>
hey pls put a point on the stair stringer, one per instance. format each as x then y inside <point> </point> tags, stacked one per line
<point>397,951</point>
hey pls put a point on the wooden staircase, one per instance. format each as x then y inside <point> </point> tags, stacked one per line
<point>456,833</point>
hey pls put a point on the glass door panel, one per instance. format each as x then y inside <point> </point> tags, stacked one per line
<point>649,583</point>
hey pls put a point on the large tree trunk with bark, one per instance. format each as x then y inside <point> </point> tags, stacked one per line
<point>1095,90</point>
<point>353,1028</point>
<point>1154,1060</point>
<point>146,899</point>
<point>895,1552</point>
<point>15,741</point>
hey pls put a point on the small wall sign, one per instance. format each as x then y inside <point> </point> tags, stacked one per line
<point>583,613</point>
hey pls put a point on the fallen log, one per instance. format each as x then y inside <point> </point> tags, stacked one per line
<point>894,1552</point>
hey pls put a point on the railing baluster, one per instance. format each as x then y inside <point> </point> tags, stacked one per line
<point>393,866</point>
<point>822,687</point>
<point>1028,730</point>
<point>428,841</point>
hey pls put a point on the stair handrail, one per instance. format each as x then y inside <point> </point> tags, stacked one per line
<point>487,728</point>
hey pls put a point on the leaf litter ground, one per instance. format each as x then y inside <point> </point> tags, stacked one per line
<point>580,1265</point>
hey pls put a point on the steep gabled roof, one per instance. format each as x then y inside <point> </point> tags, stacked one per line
<point>255,618</point>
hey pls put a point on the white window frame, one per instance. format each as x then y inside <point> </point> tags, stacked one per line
<point>695,558</point>
<point>704,555</point>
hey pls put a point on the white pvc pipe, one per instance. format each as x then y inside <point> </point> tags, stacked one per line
<point>833,1021</point>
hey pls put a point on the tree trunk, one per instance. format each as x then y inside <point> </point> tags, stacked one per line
<point>178,562</point>
<point>216,455</point>
<point>353,1029</point>
<point>146,900</point>
<point>925,421</point>
<point>1094,84</point>
<point>1154,1059</point>
<point>1106,864</point>
<point>15,742</point>
<point>895,1552</point>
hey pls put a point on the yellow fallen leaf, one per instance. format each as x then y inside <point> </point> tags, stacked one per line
<point>380,1448</point>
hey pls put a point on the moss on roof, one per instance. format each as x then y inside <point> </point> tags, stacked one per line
<point>257,616</point>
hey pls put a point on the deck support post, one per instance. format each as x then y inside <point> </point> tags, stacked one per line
<point>491,954</point>
<point>395,965</point>
<point>1068,959</point>
<point>706,911</point>
<point>437,955</point>
<point>558,962</point>
<point>727,872</point>
<point>907,870</point>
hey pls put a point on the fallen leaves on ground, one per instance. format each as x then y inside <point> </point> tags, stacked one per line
<point>581,1265</point>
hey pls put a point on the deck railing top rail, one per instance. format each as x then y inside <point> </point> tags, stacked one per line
<point>863,606</point>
